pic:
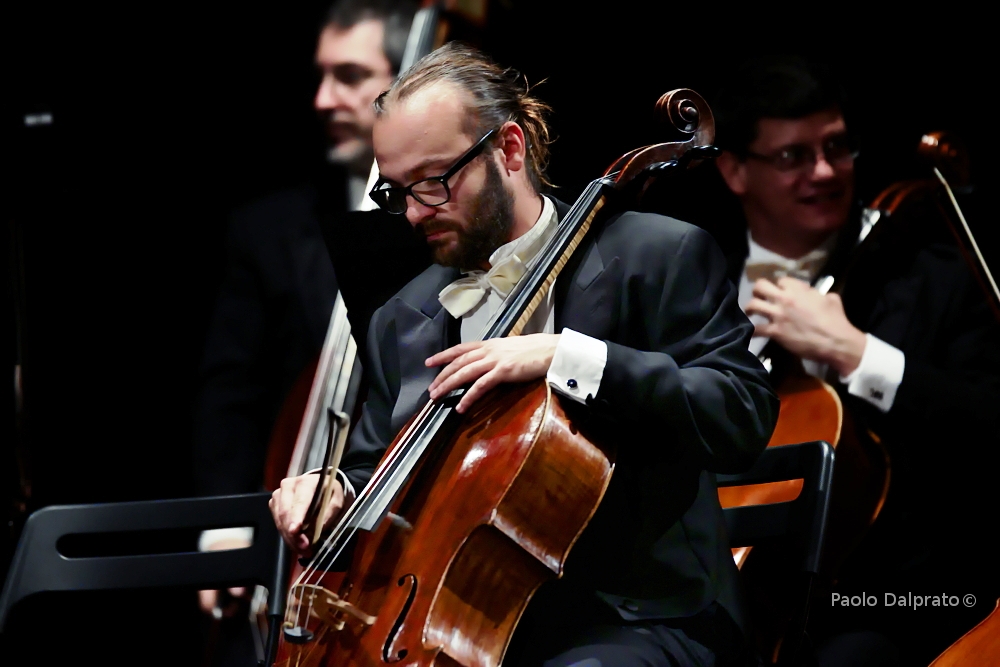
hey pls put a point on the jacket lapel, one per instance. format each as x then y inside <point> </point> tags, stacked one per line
<point>587,297</point>
<point>420,333</point>
<point>586,291</point>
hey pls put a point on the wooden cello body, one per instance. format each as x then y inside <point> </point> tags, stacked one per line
<point>530,481</point>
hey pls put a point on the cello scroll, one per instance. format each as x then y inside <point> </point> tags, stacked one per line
<point>685,113</point>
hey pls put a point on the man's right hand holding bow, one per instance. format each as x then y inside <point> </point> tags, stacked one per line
<point>290,503</point>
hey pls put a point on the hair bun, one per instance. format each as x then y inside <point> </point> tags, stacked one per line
<point>519,79</point>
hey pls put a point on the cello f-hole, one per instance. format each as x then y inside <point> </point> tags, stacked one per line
<point>389,654</point>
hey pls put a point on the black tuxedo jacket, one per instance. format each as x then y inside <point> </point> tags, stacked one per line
<point>680,391</point>
<point>270,321</point>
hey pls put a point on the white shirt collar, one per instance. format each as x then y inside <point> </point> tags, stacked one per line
<point>528,245</point>
<point>758,254</point>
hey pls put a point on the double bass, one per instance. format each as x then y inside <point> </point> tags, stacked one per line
<point>466,516</point>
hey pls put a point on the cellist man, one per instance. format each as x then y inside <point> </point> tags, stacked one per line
<point>912,347</point>
<point>644,328</point>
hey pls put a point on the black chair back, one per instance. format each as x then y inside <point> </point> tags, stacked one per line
<point>803,520</point>
<point>39,565</point>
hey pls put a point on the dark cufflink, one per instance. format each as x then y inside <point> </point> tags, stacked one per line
<point>571,383</point>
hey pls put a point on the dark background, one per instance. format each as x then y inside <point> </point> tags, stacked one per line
<point>168,115</point>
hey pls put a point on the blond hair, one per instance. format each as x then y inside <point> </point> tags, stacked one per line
<point>495,96</point>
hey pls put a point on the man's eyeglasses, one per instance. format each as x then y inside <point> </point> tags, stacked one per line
<point>837,151</point>
<point>433,191</point>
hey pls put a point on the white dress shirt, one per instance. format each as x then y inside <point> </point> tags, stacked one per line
<point>877,377</point>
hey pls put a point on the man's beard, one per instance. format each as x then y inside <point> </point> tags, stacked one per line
<point>490,223</point>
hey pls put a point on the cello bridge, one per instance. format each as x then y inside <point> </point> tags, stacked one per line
<point>329,607</point>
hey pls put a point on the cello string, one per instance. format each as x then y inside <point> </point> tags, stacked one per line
<point>340,537</point>
<point>360,500</point>
<point>378,479</point>
<point>361,504</point>
<point>318,566</point>
<point>326,478</point>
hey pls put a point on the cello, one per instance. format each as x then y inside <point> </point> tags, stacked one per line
<point>811,410</point>
<point>446,559</point>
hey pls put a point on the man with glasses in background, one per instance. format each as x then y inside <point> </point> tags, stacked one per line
<point>790,162</point>
<point>912,348</point>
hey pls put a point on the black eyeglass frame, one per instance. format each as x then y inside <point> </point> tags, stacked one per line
<point>775,160</point>
<point>383,196</point>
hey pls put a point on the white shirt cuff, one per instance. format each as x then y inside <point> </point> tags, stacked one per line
<point>878,376</point>
<point>216,535</point>
<point>578,365</point>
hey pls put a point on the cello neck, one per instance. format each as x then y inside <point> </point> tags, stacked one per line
<point>422,37</point>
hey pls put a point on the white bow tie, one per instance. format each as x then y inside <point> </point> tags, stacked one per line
<point>508,264</point>
<point>804,268</point>
<point>466,293</point>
